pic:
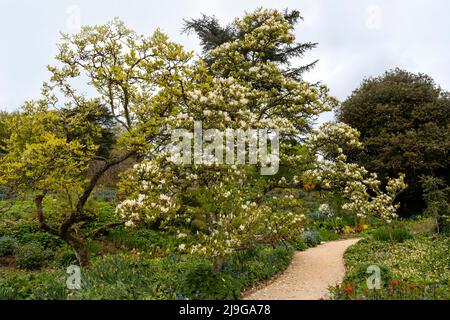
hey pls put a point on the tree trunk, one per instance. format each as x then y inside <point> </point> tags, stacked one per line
<point>79,247</point>
<point>77,215</point>
<point>218,264</point>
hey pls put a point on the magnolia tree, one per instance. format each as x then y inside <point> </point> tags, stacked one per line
<point>54,142</point>
<point>223,204</point>
<point>361,188</point>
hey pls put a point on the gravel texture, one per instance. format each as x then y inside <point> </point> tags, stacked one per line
<point>309,275</point>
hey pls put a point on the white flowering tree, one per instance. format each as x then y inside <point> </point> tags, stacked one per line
<point>225,207</point>
<point>362,189</point>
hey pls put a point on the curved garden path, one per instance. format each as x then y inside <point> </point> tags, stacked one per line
<point>309,274</point>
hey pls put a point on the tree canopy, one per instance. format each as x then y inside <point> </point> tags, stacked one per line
<point>405,128</point>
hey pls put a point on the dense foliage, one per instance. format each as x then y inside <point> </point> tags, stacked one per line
<point>404,125</point>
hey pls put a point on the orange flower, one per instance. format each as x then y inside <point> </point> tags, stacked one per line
<point>394,283</point>
<point>359,229</point>
<point>348,290</point>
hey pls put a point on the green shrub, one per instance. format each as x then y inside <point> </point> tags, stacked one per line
<point>19,285</point>
<point>65,257</point>
<point>258,263</point>
<point>45,239</point>
<point>33,256</point>
<point>421,225</point>
<point>201,283</point>
<point>8,245</point>
<point>18,209</point>
<point>436,194</point>
<point>145,240</point>
<point>335,224</point>
<point>326,235</point>
<point>300,244</point>
<point>118,277</point>
<point>17,231</point>
<point>311,237</point>
<point>399,234</point>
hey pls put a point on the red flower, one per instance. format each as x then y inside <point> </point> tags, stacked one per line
<point>348,290</point>
<point>358,298</point>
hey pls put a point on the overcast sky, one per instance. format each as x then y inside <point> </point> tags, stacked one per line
<point>357,38</point>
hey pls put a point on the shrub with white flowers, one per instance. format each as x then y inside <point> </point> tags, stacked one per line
<point>361,188</point>
<point>222,207</point>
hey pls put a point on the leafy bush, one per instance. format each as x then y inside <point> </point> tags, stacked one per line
<point>17,209</point>
<point>21,285</point>
<point>420,225</point>
<point>258,263</point>
<point>300,244</point>
<point>326,235</point>
<point>203,284</point>
<point>399,234</point>
<point>45,239</point>
<point>335,224</point>
<point>119,277</point>
<point>323,212</point>
<point>65,257</point>
<point>145,240</point>
<point>18,231</point>
<point>311,237</point>
<point>403,111</point>
<point>8,245</point>
<point>33,256</point>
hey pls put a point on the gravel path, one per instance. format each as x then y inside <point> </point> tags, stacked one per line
<point>309,274</point>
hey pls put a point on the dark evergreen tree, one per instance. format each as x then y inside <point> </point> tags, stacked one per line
<point>212,34</point>
<point>405,127</point>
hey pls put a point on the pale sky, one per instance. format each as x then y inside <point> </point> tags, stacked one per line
<point>357,38</point>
